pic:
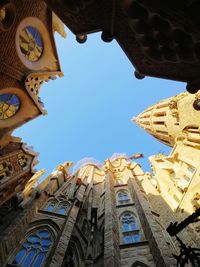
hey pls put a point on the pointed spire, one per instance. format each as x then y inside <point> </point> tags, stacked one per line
<point>134,119</point>
<point>153,120</point>
<point>170,119</point>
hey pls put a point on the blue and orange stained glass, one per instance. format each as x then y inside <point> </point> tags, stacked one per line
<point>36,35</point>
<point>9,105</point>
<point>31,44</point>
<point>34,250</point>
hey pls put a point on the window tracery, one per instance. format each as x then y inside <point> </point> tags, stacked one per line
<point>31,44</point>
<point>35,249</point>
<point>122,197</point>
<point>130,231</point>
<point>58,206</point>
<point>22,160</point>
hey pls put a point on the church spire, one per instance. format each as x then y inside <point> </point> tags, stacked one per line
<point>172,119</point>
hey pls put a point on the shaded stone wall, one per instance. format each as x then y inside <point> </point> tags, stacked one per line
<point>131,254</point>
<point>30,213</point>
<point>153,232</point>
<point>111,234</point>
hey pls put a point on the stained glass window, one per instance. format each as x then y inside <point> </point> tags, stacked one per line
<point>31,44</point>
<point>35,249</point>
<point>123,197</point>
<point>129,228</point>
<point>9,105</point>
<point>50,207</point>
<point>128,222</point>
<point>62,210</point>
<point>56,206</point>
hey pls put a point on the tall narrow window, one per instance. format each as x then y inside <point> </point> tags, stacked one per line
<point>122,197</point>
<point>130,229</point>
<point>35,249</point>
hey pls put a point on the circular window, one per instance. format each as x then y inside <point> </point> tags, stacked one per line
<point>7,16</point>
<point>31,44</point>
<point>9,105</point>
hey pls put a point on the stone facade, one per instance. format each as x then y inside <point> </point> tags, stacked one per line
<point>173,187</point>
<point>98,216</point>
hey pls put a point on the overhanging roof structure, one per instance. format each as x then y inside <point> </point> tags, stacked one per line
<point>161,38</point>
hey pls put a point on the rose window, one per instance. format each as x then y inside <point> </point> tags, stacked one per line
<point>31,44</point>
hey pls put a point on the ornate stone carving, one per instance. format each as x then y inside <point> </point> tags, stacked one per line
<point>34,81</point>
<point>5,170</point>
<point>22,160</point>
<point>173,108</point>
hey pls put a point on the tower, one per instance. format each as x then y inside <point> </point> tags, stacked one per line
<point>172,119</point>
<point>175,122</point>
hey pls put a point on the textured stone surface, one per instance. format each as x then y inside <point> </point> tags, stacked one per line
<point>91,233</point>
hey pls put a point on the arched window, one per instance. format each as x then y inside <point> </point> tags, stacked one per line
<point>56,206</point>
<point>35,249</point>
<point>130,229</point>
<point>51,205</point>
<point>122,197</point>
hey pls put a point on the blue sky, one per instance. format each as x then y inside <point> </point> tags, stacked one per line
<point>90,108</point>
